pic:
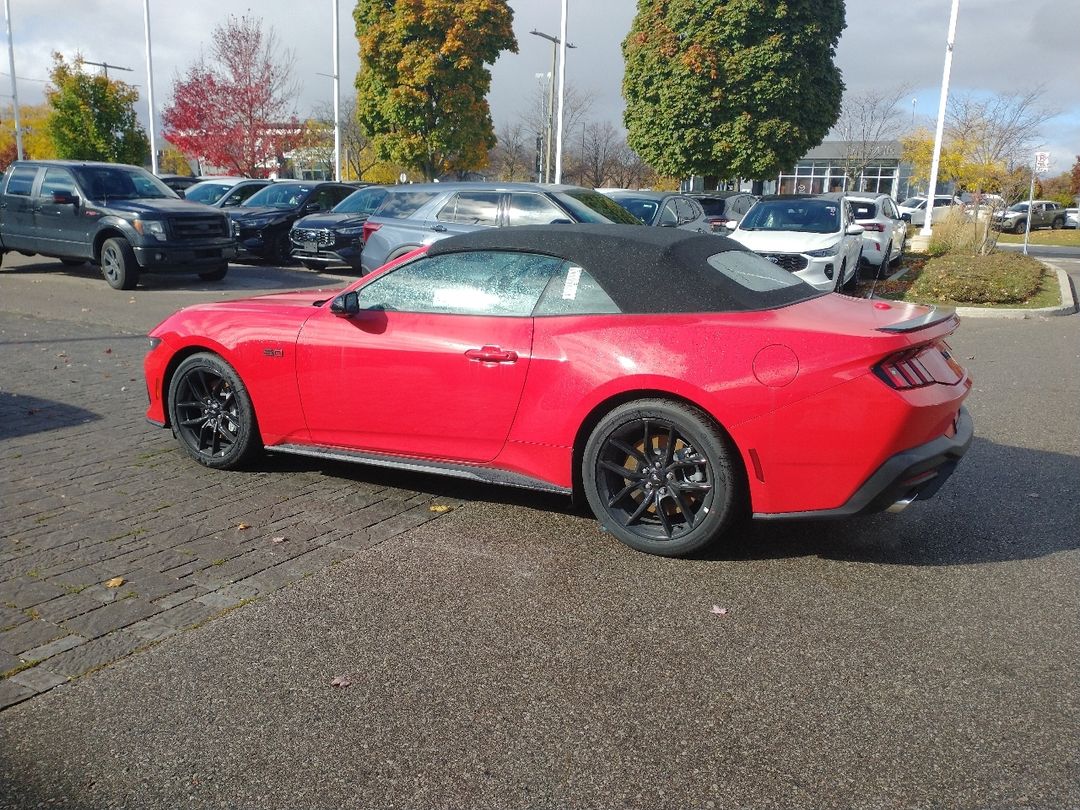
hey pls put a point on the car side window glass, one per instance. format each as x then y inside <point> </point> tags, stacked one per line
<point>685,210</point>
<point>56,180</point>
<point>495,283</point>
<point>669,216</point>
<point>471,208</point>
<point>572,291</point>
<point>533,209</point>
<point>21,181</point>
<point>339,193</point>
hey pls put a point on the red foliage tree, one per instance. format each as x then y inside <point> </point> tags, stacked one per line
<point>235,110</point>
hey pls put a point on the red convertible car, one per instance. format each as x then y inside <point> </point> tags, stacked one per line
<point>676,380</point>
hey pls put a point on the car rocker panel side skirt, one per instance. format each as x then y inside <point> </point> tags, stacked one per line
<point>913,474</point>
<point>485,475</point>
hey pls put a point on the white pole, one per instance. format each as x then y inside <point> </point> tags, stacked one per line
<point>1031,198</point>
<point>337,96</point>
<point>562,94</point>
<point>150,89</point>
<point>14,86</point>
<point>939,132</point>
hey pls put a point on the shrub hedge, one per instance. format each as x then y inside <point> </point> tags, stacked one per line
<point>999,278</point>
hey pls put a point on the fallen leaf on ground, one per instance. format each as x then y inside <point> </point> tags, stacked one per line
<point>243,526</point>
<point>108,351</point>
<point>719,611</point>
<point>439,508</point>
<point>341,681</point>
<point>277,539</point>
<point>115,582</point>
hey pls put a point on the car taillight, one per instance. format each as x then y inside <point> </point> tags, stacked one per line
<point>873,226</point>
<point>368,229</point>
<point>920,366</point>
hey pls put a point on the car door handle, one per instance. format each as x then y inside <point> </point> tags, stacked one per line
<point>491,354</point>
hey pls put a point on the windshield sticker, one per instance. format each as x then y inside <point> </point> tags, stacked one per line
<point>573,279</point>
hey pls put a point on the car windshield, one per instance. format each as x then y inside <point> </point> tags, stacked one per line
<point>279,195</point>
<point>913,202</point>
<point>1022,207</point>
<point>364,201</point>
<point>592,206</point>
<point>103,183</point>
<point>207,192</point>
<point>804,216</point>
<point>641,207</point>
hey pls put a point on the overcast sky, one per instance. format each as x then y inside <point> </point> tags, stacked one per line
<point>1001,47</point>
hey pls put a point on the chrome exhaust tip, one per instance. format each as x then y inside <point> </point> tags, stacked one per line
<point>901,504</point>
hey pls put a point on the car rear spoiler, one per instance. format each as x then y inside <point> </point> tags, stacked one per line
<point>935,316</point>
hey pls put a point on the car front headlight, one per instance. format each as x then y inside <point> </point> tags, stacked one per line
<point>350,232</point>
<point>150,227</point>
<point>824,252</point>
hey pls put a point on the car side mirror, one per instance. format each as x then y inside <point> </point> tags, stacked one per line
<point>312,207</point>
<point>64,198</point>
<point>346,304</point>
<point>854,229</point>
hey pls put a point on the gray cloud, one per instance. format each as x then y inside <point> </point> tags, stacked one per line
<point>1000,47</point>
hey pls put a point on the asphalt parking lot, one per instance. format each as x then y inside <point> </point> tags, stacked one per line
<point>506,653</point>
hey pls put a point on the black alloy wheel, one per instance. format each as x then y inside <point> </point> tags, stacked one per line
<point>280,251</point>
<point>118,264</point>
<point>661,477</point>
<point>211,413</point>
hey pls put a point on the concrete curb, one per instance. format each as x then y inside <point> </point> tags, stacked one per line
<point>1066,307</point>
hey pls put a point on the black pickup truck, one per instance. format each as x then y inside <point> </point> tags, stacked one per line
<point>119,217</point>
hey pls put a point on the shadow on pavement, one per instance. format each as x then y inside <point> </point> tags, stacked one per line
<point>1003,503</point>
<point>22,415</point>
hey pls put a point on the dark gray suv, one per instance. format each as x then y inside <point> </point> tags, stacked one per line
<point>415,215</point>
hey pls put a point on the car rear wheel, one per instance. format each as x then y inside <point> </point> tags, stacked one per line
<point>1057,224</point>
<point>118,264</point>
<point>216,274</point>
<point>211,413</point>
<point>661,477</point>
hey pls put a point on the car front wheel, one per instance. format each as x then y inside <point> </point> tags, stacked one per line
<point>1020,226</point>
<point>211,412</point>
<point>118,264</point>
<point>661,477</point>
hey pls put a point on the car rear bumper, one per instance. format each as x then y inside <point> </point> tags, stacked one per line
<point>167,257</point>
<point>914,474</point>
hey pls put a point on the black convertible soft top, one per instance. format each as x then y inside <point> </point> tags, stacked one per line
<point>644,270</point>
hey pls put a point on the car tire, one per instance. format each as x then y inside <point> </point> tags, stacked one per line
<point>900,254</point>
<point>685,486</point>
<point>852,283</point>
<point>211,413</point>
<point>1057,224</point>
<point>217,274</point>
<point>280,249</point>
<point>1020,226</point>
<point>883,267</point>
<point>73,262</point>
<point>118,264</point>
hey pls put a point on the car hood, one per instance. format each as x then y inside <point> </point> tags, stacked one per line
<point>784,241</point>
<point>161,206</point>
<point>331,221</point>
<point>260,212</point>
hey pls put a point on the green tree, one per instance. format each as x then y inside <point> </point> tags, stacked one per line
<point>424,79</point>
<point>93,117</point>
<point>733,88</point>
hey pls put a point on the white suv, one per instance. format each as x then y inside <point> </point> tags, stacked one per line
<point>913,209</point>
<point>814,238</point>
<point>885,231</point>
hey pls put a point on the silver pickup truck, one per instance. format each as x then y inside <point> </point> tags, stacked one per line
<point>1044,214</point>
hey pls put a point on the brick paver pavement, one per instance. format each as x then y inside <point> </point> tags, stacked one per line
<point>111,539</point>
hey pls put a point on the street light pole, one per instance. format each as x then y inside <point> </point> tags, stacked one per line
<point>337,96</point>
<point>562,95</point>
<point>14,86</point>
<point>939,132</point>
<point>555,43</point>
<point>150,89</point>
